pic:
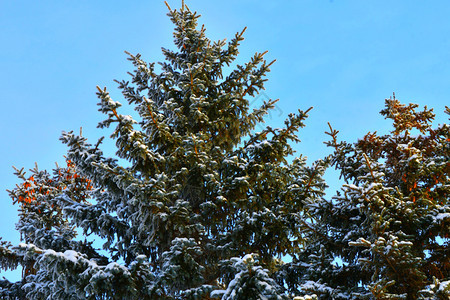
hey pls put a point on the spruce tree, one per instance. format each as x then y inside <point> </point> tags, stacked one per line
<point>196,204</point>
<point>386,234</point>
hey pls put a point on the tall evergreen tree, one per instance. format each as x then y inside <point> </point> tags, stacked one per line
<point>198,205</point>
<point>386,234</point>
<point>203,207</point>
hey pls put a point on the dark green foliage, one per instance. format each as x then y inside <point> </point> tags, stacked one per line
<point>390,223</point>
<point>200,190</point>
<point>199,205</point>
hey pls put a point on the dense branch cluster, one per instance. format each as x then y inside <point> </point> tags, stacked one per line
<point>197,204</point>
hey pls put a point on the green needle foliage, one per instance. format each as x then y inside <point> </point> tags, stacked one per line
<point>197,204</point>
<point>389,226</point>
<point>205,205</point>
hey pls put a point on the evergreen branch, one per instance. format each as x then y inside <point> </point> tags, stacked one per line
<point>294,124</point>
<point>168,6</point>
<point>333,133</point>
<point>151,115</point>
<point>271,63</point>
<point>311,228</point>
<point>192,81</point>
<point>369,166</point>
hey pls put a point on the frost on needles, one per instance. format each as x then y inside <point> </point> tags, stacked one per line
<point>201,188</point>
<point>198,204</point>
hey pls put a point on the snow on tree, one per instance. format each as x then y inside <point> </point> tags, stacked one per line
<point>250,282</point>
<point>197,204</point>
<point>200,188</point>
<point>386,234</point>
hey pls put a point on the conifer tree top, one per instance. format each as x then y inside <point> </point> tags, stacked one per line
<point>200,190</point>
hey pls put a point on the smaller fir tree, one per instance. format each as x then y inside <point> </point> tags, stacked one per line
<point>390,224</point>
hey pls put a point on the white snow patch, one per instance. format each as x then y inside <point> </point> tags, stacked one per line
<point>442,216</point>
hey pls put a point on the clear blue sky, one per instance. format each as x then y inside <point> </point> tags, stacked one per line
<point>342,57</point>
